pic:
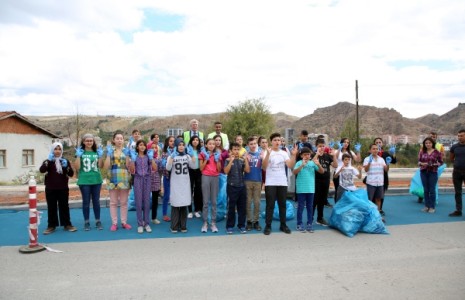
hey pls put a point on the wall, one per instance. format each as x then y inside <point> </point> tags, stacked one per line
<point>14,144</point>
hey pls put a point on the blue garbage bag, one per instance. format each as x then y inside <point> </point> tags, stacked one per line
<point>416,186</point>
<point>290,211</point>
<point>354,213</point>
<point>132,201</point>
<point>222,200</point>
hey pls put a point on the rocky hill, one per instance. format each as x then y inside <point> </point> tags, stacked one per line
<point>449,123</point>
<point>103,126</point>
<point>376,121</point>
<point>331,120</point>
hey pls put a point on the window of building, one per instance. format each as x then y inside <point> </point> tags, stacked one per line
<point>2,158</point>
<point>28,157</point>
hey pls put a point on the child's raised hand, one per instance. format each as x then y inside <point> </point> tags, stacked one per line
<point>388,160</point>
<point>64,163</point>
<point>392,150</point>
<point>79,152</point>
<point>133,154</point>
<point>295,150</point>
<point>370,158</point>
<point>331,144</point>
<point>126,151</point>
<point>100,151</point>
<point>217,156</point>
<point>357,147</point>
<point>110,150</point>
<point>150,154</point>
<point>190,150</point>
<point>51,155</point>
<point>174,153</point>
<point>206,154</point>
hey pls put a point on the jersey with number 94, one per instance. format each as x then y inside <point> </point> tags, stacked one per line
<point>89,172</point>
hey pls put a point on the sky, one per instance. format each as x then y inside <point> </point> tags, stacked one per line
<point>161,58</point>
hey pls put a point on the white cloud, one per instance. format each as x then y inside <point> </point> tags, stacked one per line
<point>299,55</point>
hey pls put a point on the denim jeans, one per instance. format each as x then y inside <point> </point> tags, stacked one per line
<point>305,199</point>
<point>90,191</point>
<point>429,181</point>
<point>166,195</point>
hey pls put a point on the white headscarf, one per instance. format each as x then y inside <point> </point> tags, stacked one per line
<point>58,159</point>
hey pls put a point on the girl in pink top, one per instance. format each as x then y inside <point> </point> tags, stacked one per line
<point>210,166</point>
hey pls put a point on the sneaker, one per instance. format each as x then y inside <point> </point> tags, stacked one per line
<point>148,229</point>
<point>455,214</point>
<point>156,221</point>
<point>113,227</point>
<point>173,230</point>
<point>166,218</point>
<point>49,230</point>
<point>300,228</point>
<point>204,228</point>
<point>310,228</point>
<point>242,230</point>
<point>285,229</point>
<point>425,209</point>
<point>214,228</point>
<point>86,226</point>
<point>190,215</point>
<point>99,226</point>
<point>126,226</point>
<point>267,230</point>
<point>381,212</point>
<point>140,229</point>
<point>248,226</point>
<point>197,214</point>
<point>322,222</point>
<point>431,210</point>
<point>70,228</point>
<point>229,230</point>
<point>328,205</point>
<point>183,230</point>
<point>257,226</point>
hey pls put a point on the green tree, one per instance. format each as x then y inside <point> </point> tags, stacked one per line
<point>249,117</point>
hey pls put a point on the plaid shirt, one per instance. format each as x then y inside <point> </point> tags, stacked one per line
<point>434,160</point>
<point>155,177</point>
<point>119,174</point>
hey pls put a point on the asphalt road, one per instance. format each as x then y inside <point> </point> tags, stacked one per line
<point>425,261</point>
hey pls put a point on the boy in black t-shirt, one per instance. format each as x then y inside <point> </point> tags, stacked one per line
<point>322,181</point>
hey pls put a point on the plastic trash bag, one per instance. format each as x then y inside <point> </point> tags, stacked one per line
<point>290,211</point>
<point>222,200</point>
<point>354,213</point>
<point>416,186</point>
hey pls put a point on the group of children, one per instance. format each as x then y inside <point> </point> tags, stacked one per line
<point>190,175</point>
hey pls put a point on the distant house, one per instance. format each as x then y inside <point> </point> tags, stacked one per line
<point>23,145</point>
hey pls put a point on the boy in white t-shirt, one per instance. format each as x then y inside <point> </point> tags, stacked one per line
<point>274,163</point>
<point>346,176</point>
<point>375,166</point>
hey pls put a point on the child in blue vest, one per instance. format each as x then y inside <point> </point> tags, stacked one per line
<point>305,186</point>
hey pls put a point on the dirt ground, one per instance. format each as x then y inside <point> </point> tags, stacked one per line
<point>20,196</point>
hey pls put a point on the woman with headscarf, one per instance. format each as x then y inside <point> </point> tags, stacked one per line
<point>57,170</point>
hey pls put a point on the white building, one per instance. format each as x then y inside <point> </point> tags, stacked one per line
<point>23,145</point>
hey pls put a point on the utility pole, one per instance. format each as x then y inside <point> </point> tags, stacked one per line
<point>356,110</point>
